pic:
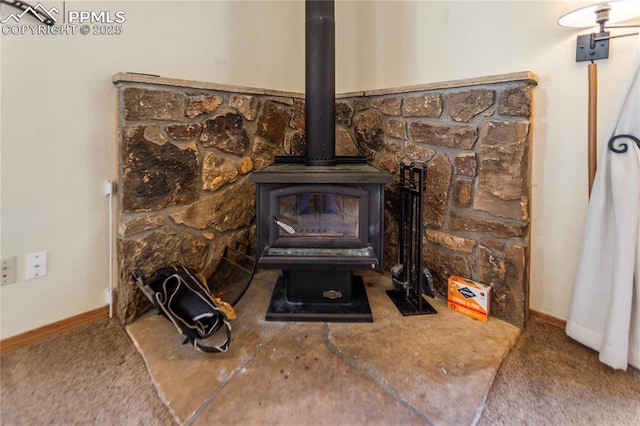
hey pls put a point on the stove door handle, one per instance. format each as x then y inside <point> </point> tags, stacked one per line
<point>288,228</point>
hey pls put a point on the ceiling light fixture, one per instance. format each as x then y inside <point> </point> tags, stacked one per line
<point>594,46</point>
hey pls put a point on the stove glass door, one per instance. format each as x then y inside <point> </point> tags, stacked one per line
<point>319,216</point>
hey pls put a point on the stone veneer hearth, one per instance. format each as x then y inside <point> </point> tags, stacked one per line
<point>186,149</point>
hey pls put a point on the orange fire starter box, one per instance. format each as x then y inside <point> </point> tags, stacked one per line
<point>469,297</point>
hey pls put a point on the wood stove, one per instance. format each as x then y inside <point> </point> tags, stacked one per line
<point>320,217</point>
<point>319,224</point>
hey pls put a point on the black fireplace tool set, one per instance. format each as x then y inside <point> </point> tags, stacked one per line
<point>411,280</point>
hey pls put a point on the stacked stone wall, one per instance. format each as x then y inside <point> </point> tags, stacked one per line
<point>475,144</point>
<point>184,160</point>
<point>185,156</point>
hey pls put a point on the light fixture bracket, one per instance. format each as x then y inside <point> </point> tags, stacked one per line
<point>594,46</point>
<point>591,47</point>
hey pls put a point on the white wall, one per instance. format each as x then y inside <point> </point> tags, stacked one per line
<point>58,128</point>
<point>58,115</point>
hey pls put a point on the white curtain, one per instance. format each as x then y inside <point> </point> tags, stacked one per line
<point>605,309</point>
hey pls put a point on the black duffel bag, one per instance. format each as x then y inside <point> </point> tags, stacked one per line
<point>181,298</point>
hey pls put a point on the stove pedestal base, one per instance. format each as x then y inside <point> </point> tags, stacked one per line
<point>357,309</point>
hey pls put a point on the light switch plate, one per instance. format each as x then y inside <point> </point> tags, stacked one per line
<point>36,265</point>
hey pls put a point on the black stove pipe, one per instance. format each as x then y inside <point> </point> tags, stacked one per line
<point>320,84</point>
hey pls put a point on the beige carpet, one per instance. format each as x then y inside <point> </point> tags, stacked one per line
<point>550,379</point>
<point>433,369</point>
<point>91,375</point>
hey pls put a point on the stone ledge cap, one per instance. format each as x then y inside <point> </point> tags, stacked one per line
<point>130,77</point>
<point>524,76</point>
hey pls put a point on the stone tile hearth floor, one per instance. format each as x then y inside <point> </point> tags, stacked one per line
<point>430,369</point>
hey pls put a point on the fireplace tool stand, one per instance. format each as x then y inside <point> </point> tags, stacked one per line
<point>410,278</point>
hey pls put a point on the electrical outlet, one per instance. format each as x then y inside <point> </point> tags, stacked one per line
<point>108,297</point>
<point>36,265</point>
<point>9,270</point>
